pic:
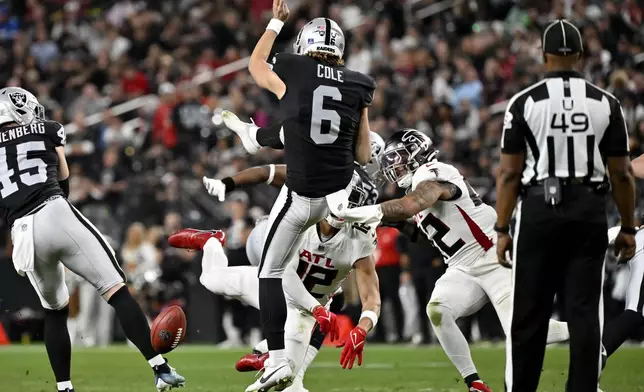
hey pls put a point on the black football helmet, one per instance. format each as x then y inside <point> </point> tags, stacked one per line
<point>405,151</point>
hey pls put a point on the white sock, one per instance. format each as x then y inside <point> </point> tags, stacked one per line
<point>252,134</point>
<point>213,255</point>
<point>262,346</point>
<point>557,332</point>
<point>452,340</point>
<point>311,353</point>
<point>64,385</point>
<point>156,361</point>
<point>277,356</point>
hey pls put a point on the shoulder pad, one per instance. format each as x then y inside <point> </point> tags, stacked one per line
<point>435,171</point>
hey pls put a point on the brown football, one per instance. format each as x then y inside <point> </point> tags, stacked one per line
<point>168,329</point>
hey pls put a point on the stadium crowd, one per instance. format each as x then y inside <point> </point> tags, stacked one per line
<point>445,71</point>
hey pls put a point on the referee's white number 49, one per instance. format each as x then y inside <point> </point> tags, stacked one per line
<point>576,122</point>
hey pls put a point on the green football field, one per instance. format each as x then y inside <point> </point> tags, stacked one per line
<point>386,368</point>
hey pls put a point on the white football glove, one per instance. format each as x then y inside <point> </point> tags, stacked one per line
<point>215,188</point>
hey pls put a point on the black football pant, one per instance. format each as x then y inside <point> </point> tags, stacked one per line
<point>557,250</point>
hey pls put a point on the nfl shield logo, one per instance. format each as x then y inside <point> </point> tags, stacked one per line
<point>18,99</point>
<point>310,40</point>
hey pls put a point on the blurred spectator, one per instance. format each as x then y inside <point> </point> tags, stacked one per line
<point>388,268</point>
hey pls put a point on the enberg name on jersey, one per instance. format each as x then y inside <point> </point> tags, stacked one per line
<point>29,167</point>
<point>324,265</point>
<point>320,114</point>
<point>461,228</point>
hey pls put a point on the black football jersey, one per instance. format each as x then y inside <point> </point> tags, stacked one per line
<point>28,166</point>
<point>369,186</point>
<point>320,113</point>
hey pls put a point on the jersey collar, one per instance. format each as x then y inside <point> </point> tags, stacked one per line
<point>562,74</point>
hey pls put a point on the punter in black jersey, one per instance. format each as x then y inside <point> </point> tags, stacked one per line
<point>48,233</point>
<point>324,112</point>
<point>273,137</point>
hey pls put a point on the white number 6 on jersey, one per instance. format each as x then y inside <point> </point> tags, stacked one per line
<point>319,114</point>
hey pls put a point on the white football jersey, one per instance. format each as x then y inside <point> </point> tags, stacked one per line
<point>462,228</point>
<point>323,266</point>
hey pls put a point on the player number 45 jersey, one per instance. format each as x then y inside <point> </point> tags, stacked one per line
<point>323,266</point>
<point>461,228</point>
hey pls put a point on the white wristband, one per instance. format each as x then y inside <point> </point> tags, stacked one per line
<point>371,315</point>
<point>271,174</point>
<point>275,25</point>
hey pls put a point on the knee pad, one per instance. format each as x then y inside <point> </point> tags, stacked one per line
<point>436,311</point>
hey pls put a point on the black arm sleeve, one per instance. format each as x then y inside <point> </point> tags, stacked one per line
<point>615,140</point>
<point>514,128</point>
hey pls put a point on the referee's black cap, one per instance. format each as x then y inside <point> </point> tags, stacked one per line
<point>562,38</point>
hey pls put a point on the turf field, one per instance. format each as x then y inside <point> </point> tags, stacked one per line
<point>386,368</point>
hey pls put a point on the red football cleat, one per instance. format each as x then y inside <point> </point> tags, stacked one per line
<point>251,362</point>
<point>479,386</point>
<point>195,239</point>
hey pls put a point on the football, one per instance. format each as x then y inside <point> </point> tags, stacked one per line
<point>168,329</point>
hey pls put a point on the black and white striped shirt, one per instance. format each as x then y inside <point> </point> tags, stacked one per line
<point>566,126</point>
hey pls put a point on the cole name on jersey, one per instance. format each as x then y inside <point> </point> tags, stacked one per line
<point>324,265</point>
<point>461,228</point>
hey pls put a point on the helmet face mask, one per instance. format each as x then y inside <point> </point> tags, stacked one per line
<point>404,153</point>
<point>377,146</point>
<point>357,198</point>
<point>320,35</point>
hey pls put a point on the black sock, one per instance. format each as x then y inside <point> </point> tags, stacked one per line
<point>270,137</point>
<point>59,346</point>
<point>471,378</point>
<point>272,309</point>
<point>133,321</point>
<point>618,330</point>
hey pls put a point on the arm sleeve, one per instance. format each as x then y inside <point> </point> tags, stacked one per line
<point>615,140</point>
<point>56,133</point>
<point>514,128</point>
<point>295,289</point>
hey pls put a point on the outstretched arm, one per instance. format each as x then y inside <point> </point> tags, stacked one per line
<point>258,67</point>
<point>274,175</point>
<point>426,194</point>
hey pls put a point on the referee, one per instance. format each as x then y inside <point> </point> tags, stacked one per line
<point>559,135</point>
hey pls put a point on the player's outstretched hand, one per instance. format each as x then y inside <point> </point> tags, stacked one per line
<point>280,10</point>
<point>353,347</point>
<point>215,188</point>
<point>624,247</point>
<point>328,322</point>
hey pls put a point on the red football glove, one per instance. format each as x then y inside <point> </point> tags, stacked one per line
<point>328,322</point>
<point>353,346</point>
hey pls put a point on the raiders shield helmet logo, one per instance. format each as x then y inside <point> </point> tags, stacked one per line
<point>18,99</point>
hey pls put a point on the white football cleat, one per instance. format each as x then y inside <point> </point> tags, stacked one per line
<point>278,376</point>
<point>246,131</point>
<point>297,386</point>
